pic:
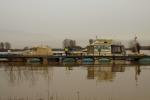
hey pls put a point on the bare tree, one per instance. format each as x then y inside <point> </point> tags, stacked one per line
<point>138,47</point>
<point>1,45</point>
<point>91,41</point>
<point>68,43</point>
<point>7,45</point>
<point>135,46</point>
<point>72,43</point>
<point>26,48</point>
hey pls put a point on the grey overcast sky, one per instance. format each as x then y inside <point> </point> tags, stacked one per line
<point>49,22</point>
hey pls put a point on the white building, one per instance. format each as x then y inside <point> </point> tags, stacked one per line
<point>105,47</point>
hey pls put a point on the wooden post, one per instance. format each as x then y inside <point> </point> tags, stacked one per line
<point>60,59</point>
<point>45,61</point>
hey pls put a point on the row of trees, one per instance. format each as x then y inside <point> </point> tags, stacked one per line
<point>5,45</point>
<point>68,43</point>
<point>71,44</point>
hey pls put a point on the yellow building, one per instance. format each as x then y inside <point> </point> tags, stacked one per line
<point>39,51</point>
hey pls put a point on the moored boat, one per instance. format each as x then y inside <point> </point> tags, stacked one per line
<point>87,61</point>
<point>144,61</point>
<point>33,60</point>
<point>69,60</point>
<point>104,60</point>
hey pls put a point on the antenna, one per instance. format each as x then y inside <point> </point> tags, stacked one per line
<point>96,37</point>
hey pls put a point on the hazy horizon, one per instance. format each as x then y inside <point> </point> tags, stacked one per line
<point>47,22</point>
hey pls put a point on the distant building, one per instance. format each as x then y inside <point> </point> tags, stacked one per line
<point>11,52</point>
<point>58,51</point>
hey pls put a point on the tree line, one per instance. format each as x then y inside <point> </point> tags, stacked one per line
<point>5,45</point>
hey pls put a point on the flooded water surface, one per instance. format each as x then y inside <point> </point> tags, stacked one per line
<point>85,82</point>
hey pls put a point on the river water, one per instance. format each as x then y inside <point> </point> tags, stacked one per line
<point>84,82</point>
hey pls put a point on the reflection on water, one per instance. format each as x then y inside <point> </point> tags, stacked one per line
<point>104,72</point>
<point>88,82</point>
